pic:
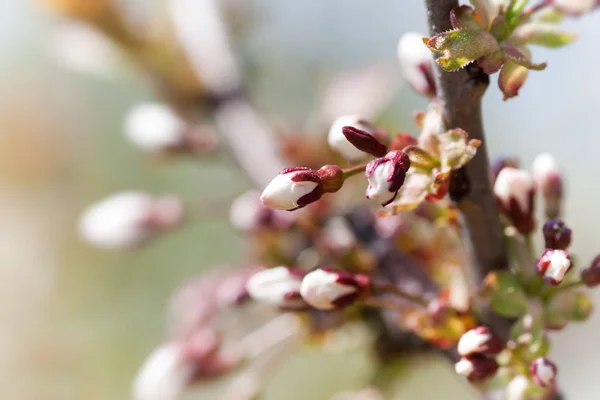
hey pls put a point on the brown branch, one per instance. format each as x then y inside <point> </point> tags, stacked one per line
<point>460,96</point>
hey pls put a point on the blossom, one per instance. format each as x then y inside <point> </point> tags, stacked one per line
<point>417,63</point>
<point>328,289</point>
<point>543,371</point>
<point>386,176</point>
<point>338,141</point>
<point>479,340</point>
<point>154,127</point>
<point>553,265</point>
<point>514,192</point>
<point>279,286</point>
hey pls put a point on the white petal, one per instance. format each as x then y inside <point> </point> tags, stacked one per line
<point>379,187</point>
<point>472,342</point>
<point>271,286</point>
<point>283,194</point>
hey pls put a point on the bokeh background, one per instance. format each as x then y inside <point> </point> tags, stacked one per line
<point>77,322</point>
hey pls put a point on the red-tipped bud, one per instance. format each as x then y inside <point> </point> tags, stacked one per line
<point>476,367</point>
<point>386,176</point>
<point>514,192</point>
<point>329,289</point>
<point>364,141</point>
<point>279,286</point>
<point>479,340</point>
<point>556,234</point>
<point>339,142</point>
<point>591,275</point>
<point>417,63</point>
<point>543,371</point>
<point>553,265</point>
<point>548,180</point>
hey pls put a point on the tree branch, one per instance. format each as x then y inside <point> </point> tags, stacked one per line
<point>460,96</point>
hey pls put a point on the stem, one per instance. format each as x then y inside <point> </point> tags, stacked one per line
<point>562,288</point>
<point>354,170</point>
<point>460,96</point>
<point>392,289</point>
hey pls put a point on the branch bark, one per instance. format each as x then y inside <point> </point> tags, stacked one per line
<point>460,95</point>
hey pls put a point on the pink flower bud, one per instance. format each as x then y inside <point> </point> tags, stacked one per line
<point>553,265</point>
<point>476,367</point>
<point>338,141</point>
<point>293,188</point>
<point>364,141</point>
<point>591,274</point>
<point>416,61</point>
<point>479,340</point>
<point>154,127</point>
<point>126,220</point>
<point>556,235</point>
<point>279,286</point>
<point>543,371</point>
<point>548,180</point>
<point>249,214</point>
<point>514,192</point>
<point>329,289</point>
<point>386,176</point>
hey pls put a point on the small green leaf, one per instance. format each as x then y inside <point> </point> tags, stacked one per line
<point>514,10</point>
<point>550,15</point>
<point>528,328</point>
<point>511,78</point>
<point>543,34</point>
<point>461,47</point>
<point>521,58</point>
<point>506,294</point>
<point>500,28</point>
<point>567,306</point>
<point>464,17</point>
<point>421,159</point>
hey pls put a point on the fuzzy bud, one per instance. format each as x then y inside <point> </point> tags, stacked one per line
<point>548,180</point>
<point>364,141</point>
<point>553,265</point>
<point>514,192</point>
<point>556,234</point>
<point>417,63</point>
<point>476,367</point>
<point>154,127</point>
<point>339,142</point>
<point>329,289</point>
<point>279,286</point>
<point>126,220</point>
<point>479,340</point>
<point>543,371</point>
<point>386,176</point>
<point>591,275</point>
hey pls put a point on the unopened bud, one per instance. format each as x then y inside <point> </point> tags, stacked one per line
<point>329,289</point>
<point>364,141</point>
<point>249,214</point>
<point>591,275</point>
<point>479,340</point>
<point>548,180</point>
<point>553,265</point>
<point>556,234</point>
<point>386,176</point>
<point>417,63</point>
<point>543,371</point>
<point>476,367</point>
<point>279,286</point>
<point>500,163</point>
<point>339,142</point>
<point>154,127</point>
<point>293,188</point>
<point>514,192</point>
<point>125,220</point>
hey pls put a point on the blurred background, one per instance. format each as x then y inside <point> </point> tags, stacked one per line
<point>77,322</point>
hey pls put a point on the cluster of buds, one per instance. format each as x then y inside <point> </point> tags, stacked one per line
<point>477,348</point>
<point>555,261</point>
<point>128,219</point>
<point>386,176</point>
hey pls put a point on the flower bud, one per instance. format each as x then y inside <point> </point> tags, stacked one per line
<point>543,371</point>
<point>479,340</point>
<point>518,388</point>
<point>386,176</point>
<point>292,189</point>
<point>154,127</point>
<point>125,220</point>
<point>548,180</point>
<point>328,289</point>
<point>500,163</point>
<point>364,141</point>
<point>553,265</point>
<point>514,192</point>
<point>591,275</point>
<point>279,286</point>
<point>417,63</point>
<point>249,214</point>
<point>476,367</point>
<point>340,143</point>
<point>556,234</point>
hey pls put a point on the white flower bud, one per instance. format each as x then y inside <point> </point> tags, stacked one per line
<point>327,289</point>
<point>154,127</point>
<point>286,192</point>
<point>514,190</point>
<point>543,371</point>
<point>464,367</point>
<point>379,186</point>
<point>553,265</point>
<point>279,286</point>
<point>386,176</point>
<point>479,340</point>
<point>416,61</point>
<point>518,388</point>
<point>548,179</point>
<point>165,374</point>
<point>338,142</point>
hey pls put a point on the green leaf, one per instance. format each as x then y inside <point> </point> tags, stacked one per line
<point>461,47</point>
<point>500,28</point>
<point>464,17</point>
<point>550,15</point>
<point>521,58</point>
<point>455,149</point>
<point>506,294</point>
<point>511,78</point>
<point>514,10</point>
<point>567,306</point>
<point>543,34</point>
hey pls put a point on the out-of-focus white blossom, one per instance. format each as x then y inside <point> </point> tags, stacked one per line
<point>154,127</point>
<point>417,63</point>
<point>279,286</point>
<point>326,289</point>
